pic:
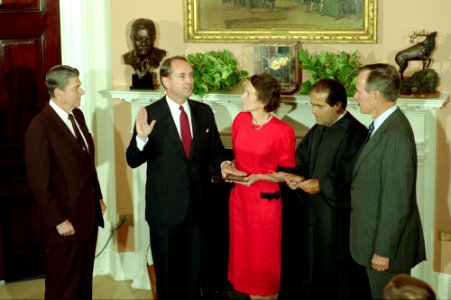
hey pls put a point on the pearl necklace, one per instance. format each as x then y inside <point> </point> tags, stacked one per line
<point>257,127</point>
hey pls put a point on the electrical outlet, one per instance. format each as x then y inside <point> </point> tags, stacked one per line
<point>444,236</point>
<point>125,218</point>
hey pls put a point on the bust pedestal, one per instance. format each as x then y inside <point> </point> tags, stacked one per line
<point>143,83</point>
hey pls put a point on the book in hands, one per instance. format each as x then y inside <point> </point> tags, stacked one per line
<point>235,177</point>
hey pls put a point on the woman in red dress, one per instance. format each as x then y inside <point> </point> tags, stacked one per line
<point>263,146</point>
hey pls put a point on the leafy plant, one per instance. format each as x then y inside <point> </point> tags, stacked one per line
<point>340,66</point>
<point>215,71</point>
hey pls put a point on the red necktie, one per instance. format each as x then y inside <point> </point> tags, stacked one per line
<point>78,136</point>
<point>185,131</point>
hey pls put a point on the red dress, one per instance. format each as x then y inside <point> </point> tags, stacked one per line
<point>256,223</point>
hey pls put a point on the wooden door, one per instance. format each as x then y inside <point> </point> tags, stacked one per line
<point>29,46</point>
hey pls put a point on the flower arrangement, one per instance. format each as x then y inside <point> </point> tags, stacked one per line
<point>279,62</point>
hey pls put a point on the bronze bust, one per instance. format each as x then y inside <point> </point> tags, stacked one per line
<point>144,57</point>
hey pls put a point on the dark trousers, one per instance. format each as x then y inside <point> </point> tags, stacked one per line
<point>295,279</point>
<point>176,256</point>
<point>69,269</point>
<point>378,281</point>
<point>316,260</point>
<point>335,275</point>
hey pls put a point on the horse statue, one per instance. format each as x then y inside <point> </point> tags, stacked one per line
<point>420,51</point>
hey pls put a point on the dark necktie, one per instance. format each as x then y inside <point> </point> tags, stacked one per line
<point>370,131</point>
<point>185,131</point>
<point>78,136</point>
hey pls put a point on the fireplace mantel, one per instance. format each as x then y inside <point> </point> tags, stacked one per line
<point>296,111</point>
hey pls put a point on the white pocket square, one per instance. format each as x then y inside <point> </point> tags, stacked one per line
<point>208,130</point>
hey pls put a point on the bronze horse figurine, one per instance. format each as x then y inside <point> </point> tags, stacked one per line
<point>420,51</point>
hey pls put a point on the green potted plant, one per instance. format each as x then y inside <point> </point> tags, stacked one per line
<point>215,71</point>
<point>340,66</point>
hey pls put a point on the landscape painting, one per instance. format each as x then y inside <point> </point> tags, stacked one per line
<point>257,21</point>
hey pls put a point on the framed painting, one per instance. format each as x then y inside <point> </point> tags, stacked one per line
<point>265,21</point>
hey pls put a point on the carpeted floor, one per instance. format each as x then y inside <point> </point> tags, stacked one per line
<point>104,287</point>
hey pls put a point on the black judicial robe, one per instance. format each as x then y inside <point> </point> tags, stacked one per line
<point>328,154</point>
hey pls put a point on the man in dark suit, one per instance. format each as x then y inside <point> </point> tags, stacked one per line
<point>386,234</point>
<point>178,177</point>
<point>63,179</point>
<point>325,158</point>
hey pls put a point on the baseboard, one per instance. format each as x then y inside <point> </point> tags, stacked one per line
<point>443,288</point>
<point>122,266</point>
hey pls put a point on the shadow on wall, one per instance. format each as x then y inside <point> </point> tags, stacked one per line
<point>442,252</point>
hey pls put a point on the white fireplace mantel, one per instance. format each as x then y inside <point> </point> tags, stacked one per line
<point>296,111</point>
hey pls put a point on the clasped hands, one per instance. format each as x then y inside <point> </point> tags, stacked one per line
<point>310,186</point>
<point>232,175</point>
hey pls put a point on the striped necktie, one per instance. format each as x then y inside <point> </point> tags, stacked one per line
<point>78,136</point>
<point>370,131</point>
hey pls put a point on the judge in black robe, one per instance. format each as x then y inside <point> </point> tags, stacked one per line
<point>325,159</point>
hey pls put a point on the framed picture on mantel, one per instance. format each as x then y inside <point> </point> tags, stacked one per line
<point>265,21</point>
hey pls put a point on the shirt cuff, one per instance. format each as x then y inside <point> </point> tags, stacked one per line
<point>140,143</point>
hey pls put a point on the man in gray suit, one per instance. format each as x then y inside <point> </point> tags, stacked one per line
<point>386,234</point>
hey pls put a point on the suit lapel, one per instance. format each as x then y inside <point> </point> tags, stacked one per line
<point>59,125</point>
<point>195,125</point>
<point>64,131</point>
<point>78,115</point>
<point>375,139</point>
<point>170,126</point>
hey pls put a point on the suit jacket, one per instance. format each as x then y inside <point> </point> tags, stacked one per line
<point>62,177</point>
<point>174,181</point>
<point>329,156</point>
<point>384,217</point>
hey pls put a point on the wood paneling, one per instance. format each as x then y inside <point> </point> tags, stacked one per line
<point>29,46</point>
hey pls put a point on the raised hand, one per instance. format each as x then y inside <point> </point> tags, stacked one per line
<point>143,129</point>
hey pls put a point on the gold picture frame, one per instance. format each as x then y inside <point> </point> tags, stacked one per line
<point>266,21</point>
